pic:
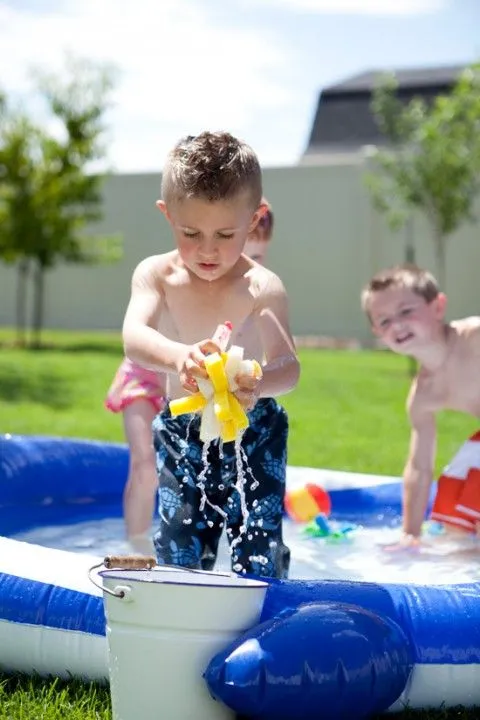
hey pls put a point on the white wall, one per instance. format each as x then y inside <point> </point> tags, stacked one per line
<point>327,242</point>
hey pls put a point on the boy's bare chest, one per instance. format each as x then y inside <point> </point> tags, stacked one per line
<point>192,315</point>
<point>457,387</point>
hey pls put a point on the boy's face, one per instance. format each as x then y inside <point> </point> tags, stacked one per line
<point>210,236</point>
<point>403,320</point>
<point>256,249</point>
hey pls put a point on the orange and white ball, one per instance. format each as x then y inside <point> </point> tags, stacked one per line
<point>304,503</point>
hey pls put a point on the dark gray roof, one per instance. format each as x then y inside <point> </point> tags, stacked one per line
<point>407,78</point>
<point>343,119</point>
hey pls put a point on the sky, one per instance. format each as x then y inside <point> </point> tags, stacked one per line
<point>252,67</point>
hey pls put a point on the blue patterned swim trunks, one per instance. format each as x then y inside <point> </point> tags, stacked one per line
<point>196,503</point>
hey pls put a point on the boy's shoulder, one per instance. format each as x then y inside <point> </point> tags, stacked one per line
<point>431,392</point>
<point>156,265</point>
<point>263,279</point>
<point>468,329</point>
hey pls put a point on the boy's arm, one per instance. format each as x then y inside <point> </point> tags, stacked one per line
<point>418,472</point>
<point>282,369</point>
<point>142,341</point>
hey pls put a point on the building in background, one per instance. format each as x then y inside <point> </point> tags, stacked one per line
<point>344,123</point>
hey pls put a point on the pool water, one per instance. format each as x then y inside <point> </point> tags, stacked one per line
<point>443,558</point>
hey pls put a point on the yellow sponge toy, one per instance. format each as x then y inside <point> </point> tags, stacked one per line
<point>222,415</point>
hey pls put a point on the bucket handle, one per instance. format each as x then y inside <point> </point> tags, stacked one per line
<point>137,562</point>
<point>121,562</point>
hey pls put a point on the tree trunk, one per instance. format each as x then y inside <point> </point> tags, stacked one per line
<point>38,305</point>
<point>440,242</point>
<point>21,301</point>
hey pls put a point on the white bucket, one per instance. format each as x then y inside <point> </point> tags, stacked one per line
<point>163,633</point>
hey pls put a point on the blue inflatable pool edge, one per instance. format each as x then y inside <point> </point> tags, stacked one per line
<point>356,647</point>
<point>364,663</point>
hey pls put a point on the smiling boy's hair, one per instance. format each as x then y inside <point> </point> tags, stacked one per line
<point>211,166</point>
<point>409,276</point>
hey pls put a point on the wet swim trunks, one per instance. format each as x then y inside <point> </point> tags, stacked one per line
<point>457,501</point>
<point>190,528</point>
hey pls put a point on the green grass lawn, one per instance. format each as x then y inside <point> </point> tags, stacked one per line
<point>27,698</point>
<point>347,413</point>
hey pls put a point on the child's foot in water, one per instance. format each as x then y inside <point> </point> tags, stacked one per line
<point>407,543</point>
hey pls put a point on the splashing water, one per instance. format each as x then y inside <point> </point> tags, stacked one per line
<point>243,471</point>
<point>185,443</point>
<point>243,474</point>
<point>201,483</point>
<point>248,469</point>
<point>240,488</point>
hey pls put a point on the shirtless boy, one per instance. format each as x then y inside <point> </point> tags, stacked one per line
<point>139,394</point>
<point>407,312</point>
<point>212,198</point>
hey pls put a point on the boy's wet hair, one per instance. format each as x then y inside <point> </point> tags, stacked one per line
<point>410,276</point>
<point>211,166</point>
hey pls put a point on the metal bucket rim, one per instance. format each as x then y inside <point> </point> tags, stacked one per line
<point>239,582</point>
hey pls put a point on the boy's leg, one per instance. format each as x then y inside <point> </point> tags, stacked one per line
<point>260,550</point>
<point>186,534</point>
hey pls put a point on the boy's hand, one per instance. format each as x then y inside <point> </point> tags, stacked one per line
<point>192,363</point>
<point>246,391</point>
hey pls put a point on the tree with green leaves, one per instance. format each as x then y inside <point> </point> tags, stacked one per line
<point>432,161</point>
<point>50,190</point>
<point>16,184</point>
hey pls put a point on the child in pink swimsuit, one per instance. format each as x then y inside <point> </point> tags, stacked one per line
<point>139,394</point>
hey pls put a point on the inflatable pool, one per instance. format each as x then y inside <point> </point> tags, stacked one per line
<point>368,646</point>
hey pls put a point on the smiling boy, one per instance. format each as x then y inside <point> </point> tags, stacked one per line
<point>407,312</point>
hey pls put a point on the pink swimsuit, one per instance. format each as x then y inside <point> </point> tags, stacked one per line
<point>133,382</point>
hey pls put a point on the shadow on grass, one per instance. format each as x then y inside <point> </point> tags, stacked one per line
<point>104,348</point>
<point>41,387</point>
